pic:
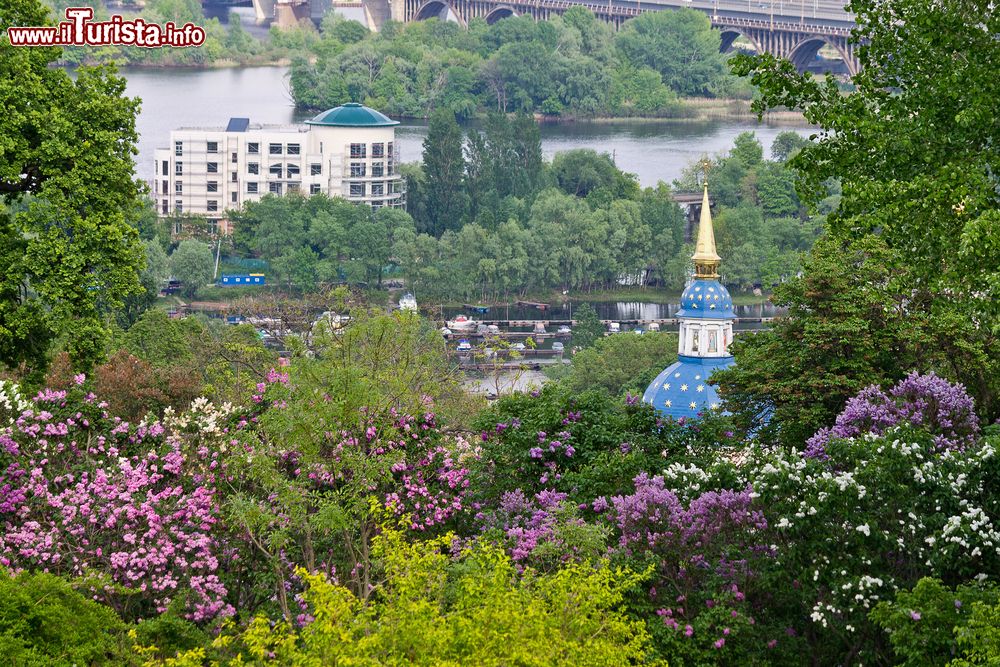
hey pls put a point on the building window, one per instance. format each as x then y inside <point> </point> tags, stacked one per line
<point>275,170</point>
<point>164,186</point>
<point>378,189</point>
<point>315,169</point>
<point>293,170</point>
<point>234,197</point>
<point>357,169</point>
<point>213,205</point>
<point>378,150</point>
<point>178,187</point>
<point>314,189</point>
<point>178,148</point>
<point>253,168</point>
<point>389,149</point>
<point>252,187</point>
<point>357,189</point>
<point>253,148</point>
<point>213,147</point>
<point>163,206</point>
<point>179,208</point>
<point>213,186</point>
<point>213,223</point>
<point>377,169</point>
<point>293,187</point>
<point>274,149</point>
<point>178,168</point>
<point>377,205</point>
<point>234,158</point>
<point>358,150</point>
<point>232,176</point>
<point>213,167</point>
<point>388,169</point>
<point>274,187</point>
<point>166,167</point>
<point>292,149</point>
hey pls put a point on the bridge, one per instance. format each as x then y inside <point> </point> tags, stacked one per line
<point>792,29</point>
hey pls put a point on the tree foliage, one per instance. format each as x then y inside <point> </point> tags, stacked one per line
<point>68,245</point>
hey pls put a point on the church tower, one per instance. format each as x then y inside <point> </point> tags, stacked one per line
<point>706,333</point>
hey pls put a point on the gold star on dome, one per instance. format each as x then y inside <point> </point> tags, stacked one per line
<point>692,405</point>
<point>714,406</point>
<point>666,385</point>
<point>701,387</point>
<point>684,387</point>
<point>668,404</point>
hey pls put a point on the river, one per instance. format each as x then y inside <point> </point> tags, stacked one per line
<point>653,150</point>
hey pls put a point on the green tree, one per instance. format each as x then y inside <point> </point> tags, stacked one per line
<point>444,172</point>
<point>621,363</point>
<point>680,45</point>
<point>840,336</point>
<point>192,264</point>
<point>588,328</point>
<point>915,146</point>
<point>786,145</point>
<point>44,622</point>
<point>68,244</point>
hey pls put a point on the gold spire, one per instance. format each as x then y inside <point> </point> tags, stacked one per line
<point>706,260</point>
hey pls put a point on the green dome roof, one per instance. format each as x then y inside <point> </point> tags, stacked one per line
<point>352,114</point>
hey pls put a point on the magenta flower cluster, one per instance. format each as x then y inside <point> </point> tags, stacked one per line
<point>127,509</point>
<point>929,402</point>
<point>529,524</point>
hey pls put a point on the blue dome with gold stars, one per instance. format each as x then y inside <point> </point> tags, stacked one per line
<point>682,390</point>
<point>706,299</point>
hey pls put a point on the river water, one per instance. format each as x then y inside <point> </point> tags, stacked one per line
<point>653,150</point>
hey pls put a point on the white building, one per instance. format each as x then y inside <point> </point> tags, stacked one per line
<point>348,152</point>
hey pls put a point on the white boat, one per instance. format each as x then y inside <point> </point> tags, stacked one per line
<point>408,303</point>
<point>557,346</point>
<point>614,327</point>
<point>462,323</point>
<point>564,330</point>
<point>653,326</point>
<point>445,331</point>
<point>464,346</point>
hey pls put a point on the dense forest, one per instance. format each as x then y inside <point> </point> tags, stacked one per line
<point>572,65</point>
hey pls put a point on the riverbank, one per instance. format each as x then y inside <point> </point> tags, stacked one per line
<point>623,295</point>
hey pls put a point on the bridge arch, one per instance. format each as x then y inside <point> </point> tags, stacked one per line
<point>438,9</point>
<point>501,12</point>
<point>730,34</point>
<point>804,52</point>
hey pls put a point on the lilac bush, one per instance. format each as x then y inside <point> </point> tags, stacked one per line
<point>926,401</point>
<point>129,510</point>
<point>544,531</point>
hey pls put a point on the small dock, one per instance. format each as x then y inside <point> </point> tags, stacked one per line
<point>532,304</point>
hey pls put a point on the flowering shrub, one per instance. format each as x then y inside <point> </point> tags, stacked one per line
<point>703,553</point>
<point>928,401</point>
<point>129,509</point>
<point>544,531</point>
<point>586,445</point>
<point>849,531</point>
<point>307,489</point>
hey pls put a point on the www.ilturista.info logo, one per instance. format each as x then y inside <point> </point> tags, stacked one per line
<point>79,30</point>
